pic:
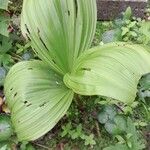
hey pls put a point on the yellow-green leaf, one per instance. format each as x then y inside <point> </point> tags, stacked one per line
<point>37,98</point>
<point>112,70</point>
<point>60,30</point>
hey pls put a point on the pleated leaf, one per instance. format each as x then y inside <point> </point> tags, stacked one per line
<point>112,70</point>
<point>37,98</point>
<point>60,30</point>
<point>4,4</point>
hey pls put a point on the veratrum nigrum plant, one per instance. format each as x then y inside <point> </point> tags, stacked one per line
<point>40,92</point>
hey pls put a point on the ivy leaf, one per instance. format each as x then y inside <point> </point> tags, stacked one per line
<point>107,113</point>
<point>112,128</point>
<point>121,123</point>
<point>117,125</point>
<point>103,117</point>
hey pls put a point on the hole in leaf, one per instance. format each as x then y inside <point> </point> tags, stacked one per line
<point>15,94</point>
<point>38,30</point>
<point>28,37</point>
<point>76,4</point>
<point>27,28</point>
<point>29,105</point>
<point>43,43</point>
<point>54,61</point>
<point>25,102</point>
<point>86,69</point>
<point>30,68</point>
<point>41,39</point>
<point>42,105</point>
<point>142,90</point>
<point>68,13</point>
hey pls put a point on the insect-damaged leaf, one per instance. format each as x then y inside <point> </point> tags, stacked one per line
<point>112,70</point>
<point>37,98</point>
<point>59,29</point>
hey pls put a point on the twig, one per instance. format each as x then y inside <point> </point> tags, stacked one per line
<point>97,129</point>
<point>45,147</point>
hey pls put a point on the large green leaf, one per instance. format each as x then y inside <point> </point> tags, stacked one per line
<point>37,99</point>
<point>111,70</point>
<point>59,29</point>
<point>4,23</point>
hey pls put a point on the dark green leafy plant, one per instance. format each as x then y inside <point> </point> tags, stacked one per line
<point>5,128</point>
<point>5,46</point>
<point>117,125</point>
<point>128,29</point>
<point>5,43</point>
<point>131,141</point>
<point>114,124</point>
<point>39,92</point>
<point>78,134</point>
<point>144,95</point>
<point>6,60</point>
<point>107,113</point>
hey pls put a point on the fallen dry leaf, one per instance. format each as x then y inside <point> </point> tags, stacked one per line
<point>5,109</point>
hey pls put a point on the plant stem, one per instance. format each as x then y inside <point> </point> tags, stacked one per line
<point>39,145</point>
